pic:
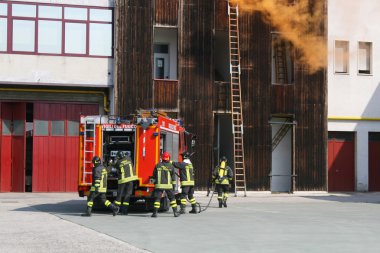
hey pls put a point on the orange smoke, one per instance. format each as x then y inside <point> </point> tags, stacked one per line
<point>299,23</point>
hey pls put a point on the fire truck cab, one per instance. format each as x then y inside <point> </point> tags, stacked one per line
<point>143,137</point>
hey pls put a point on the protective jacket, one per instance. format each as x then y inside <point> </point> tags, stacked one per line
<point>186,172</point>
<point>99,179</point>
<point>125,171</point>
<point>164,176</point>
<point>222,174</point>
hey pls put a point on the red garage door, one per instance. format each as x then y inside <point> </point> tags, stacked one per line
<point>374,162</point>
<point>341,161</point>
<point>12,143</point>
<point>55,146</point>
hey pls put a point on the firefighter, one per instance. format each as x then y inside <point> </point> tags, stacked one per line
<point>125,175</point>
<point>186,175</point>
<point>222,175</point>
<point>99,187</point>
<point>164,181</point>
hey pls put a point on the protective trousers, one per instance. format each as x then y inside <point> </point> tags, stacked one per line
<point>223,190</point>
<point>157,203</point>
<point>103,199</point>
<point>188,191</point>
<point>124,192</point>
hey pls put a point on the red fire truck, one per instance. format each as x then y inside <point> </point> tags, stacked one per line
<point>144,137</point>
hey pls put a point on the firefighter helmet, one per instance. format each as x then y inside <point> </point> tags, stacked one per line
<point>96,160</point>
<point>223,159</point>
<point>120,155</point>
<point>186,155</point>
<point>166,156</point>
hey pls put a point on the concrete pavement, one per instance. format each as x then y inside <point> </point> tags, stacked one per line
<point>261,222</point>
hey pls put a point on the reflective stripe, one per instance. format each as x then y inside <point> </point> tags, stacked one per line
<point>163,186</point>
<point>127,179</point>
<point>225,195</point>
<point>125,204</point>
<point>220,197</point>
<point>118,203</point>
<point>187,183</point>
<point>90,203</point>
<point>193,201</point>
<point>107,203</point>
<point>173,203</point>
<point>157,204</point>
<point>183,201</point>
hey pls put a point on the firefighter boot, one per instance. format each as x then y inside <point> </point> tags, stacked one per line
<point>175,212</point>
<point>115,209</point>
<point>220,203</point>
<point>154,215</point>
<point>193,208</point>
<point>183,209</point>
<point>225,202</point>
<point>88,212</point>
<point>124,210</point>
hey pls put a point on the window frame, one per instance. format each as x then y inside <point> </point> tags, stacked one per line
<point>347,57</point>
<point>370,58</point>
<point>87,22</point>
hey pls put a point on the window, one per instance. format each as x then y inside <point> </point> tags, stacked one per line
<point>42,28</point>
<point>75,38</point>
<point>24,10</point>
<point>53,12</point>
<point>282,60</point>
<point>3,34</point>
<point>365,58</point>
<point>100,39</point>
<point>75,13</point>
<point>341,57</point>
<point>3,9</point>
<point>49,37</point>
<point>23,35</point>
<point>101,15</point>
<point>3,26</point>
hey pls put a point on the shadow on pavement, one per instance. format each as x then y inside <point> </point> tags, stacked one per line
<point>350,197</point>
<point>76,208</point>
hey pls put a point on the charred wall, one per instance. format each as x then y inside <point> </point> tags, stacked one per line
<point>166,12</point>
<point>196,79</point>
<point>134,36</point>
<point>255,84</point>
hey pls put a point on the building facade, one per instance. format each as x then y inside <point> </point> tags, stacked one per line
<point>56,63</point>
<point>353,84</point>
<point>185,44</point>
<point>60,59</point>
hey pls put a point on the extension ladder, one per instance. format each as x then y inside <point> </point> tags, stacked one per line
<point>236,110</point>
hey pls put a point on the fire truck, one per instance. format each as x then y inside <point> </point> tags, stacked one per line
<point>143,137</point>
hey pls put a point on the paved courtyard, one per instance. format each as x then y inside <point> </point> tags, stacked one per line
<point>261,222</point>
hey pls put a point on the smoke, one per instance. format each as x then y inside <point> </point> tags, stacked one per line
<point>300,23</point>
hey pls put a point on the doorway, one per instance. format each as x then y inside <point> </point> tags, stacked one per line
<point>12,153</point>
<point>29,148</point>
<point>223,142</point>
<point>282,155</point>
<point>341,161</point>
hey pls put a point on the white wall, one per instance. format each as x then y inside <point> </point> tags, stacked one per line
<point>55,70</point>
<point>353,95</point>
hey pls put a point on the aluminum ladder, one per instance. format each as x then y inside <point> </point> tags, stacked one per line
<point>236,110</point>
<point>88,149</point>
